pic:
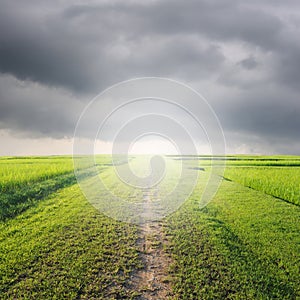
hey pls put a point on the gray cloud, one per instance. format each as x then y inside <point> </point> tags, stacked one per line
<point>84,47</point>
<point>271,116</point>
<point>36,110</point>
<point>56,55</point>
<point>249,63</point>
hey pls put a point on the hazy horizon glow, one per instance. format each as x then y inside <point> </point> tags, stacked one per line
<point>25,146</point>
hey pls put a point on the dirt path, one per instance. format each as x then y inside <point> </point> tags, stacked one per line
<point>152,281</point>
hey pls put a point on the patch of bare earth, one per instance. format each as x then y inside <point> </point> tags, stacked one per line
<point>153,280</point>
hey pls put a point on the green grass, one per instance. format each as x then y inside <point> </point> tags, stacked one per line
<point>243,160</point>
<point>20,199</point>
<point>18,172</point>
<point>277,181</point>
<point>25,181</point>
<point>64,249</point>
<point>244,245</point>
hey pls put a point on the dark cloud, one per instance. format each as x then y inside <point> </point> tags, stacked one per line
<point>86,47</point>
<point>55,55</point>
<point>249,63</point>
<point>36,110</point>
<point>268,115</point>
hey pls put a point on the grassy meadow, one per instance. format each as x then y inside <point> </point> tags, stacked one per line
<point>245,244</point>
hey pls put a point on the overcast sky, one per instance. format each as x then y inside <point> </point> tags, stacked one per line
<point>242,56</point>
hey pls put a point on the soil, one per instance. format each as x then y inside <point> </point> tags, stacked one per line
<point>153,280</point>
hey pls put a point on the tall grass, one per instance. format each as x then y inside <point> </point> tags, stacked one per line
<point>280,182</point>
<point>15,173</point>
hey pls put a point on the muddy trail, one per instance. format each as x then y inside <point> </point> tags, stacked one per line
<point>153,280</point>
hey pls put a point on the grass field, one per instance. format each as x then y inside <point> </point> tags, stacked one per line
<point>281,182</point>
<point>245,244</point>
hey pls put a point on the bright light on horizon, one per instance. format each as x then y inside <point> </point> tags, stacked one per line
<point>26,146</point>
<point>153,145</point>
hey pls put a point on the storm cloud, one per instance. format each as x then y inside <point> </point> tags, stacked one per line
<point>243,57</point>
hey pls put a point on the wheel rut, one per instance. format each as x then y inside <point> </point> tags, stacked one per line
<point>152,281</point>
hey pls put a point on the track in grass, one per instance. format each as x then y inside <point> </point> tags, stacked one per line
<point>152,280</point>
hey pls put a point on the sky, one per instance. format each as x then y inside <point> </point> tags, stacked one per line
<point>242,56</point>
